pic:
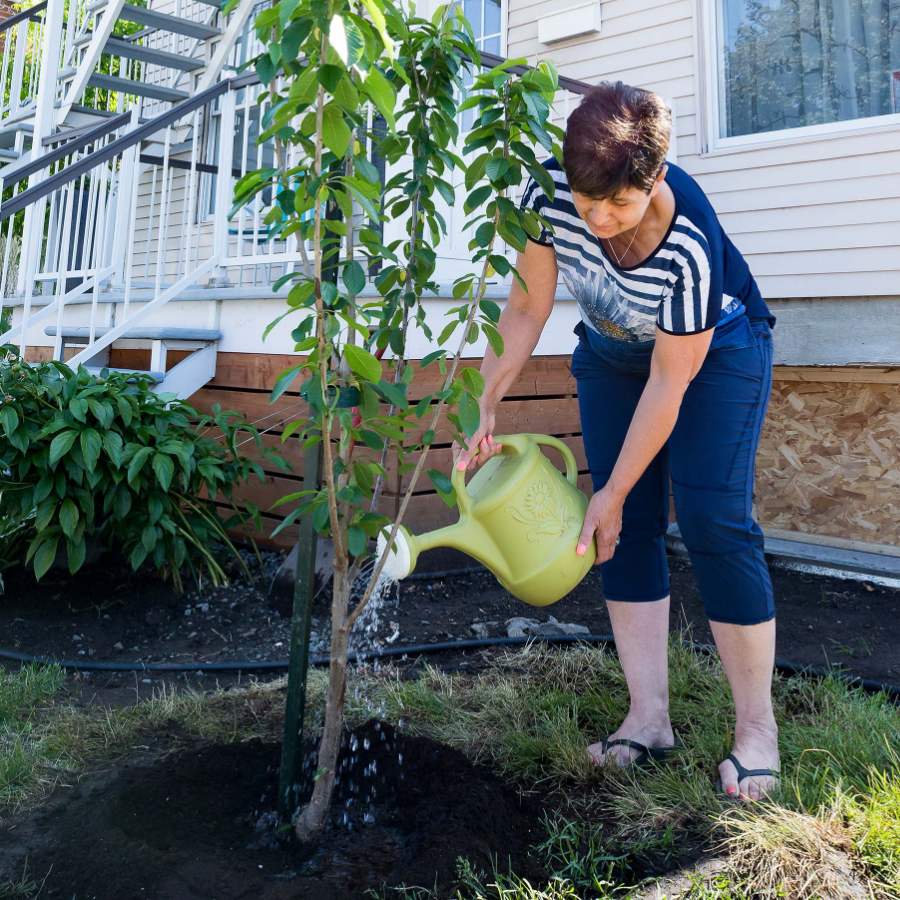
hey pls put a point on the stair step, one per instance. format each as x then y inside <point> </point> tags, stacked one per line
<point>9,154</point>
<point>117,47</point>
<point>66,73</point>
<point>165,22</point>
<point>214,3</point>
<point>83,39</point>
<point>158,377</point>
<point>149,333</point>
<point>141,88</point>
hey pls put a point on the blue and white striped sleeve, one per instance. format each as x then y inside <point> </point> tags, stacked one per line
<point>535,199</point>
<point>696,298</point>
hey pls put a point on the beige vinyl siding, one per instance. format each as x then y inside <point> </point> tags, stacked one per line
<point>814,217</point>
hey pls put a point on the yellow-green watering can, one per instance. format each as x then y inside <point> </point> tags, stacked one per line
<point>519,517</point>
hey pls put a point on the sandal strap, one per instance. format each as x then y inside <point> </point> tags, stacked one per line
<point>749,773</point>
<point>624,742</point>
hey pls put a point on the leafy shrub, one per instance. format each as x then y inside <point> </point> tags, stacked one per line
<point>105,457</point>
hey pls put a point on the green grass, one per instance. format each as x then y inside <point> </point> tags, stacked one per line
<point>534,714</point>
<point>531,717</point>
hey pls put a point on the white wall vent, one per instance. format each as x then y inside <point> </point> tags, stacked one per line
<point>572,22</point>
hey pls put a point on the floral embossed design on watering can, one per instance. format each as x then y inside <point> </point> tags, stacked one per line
<point>519,517</point>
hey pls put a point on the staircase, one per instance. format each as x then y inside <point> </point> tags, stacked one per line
<point>92,64</point>
<point>112,163</point>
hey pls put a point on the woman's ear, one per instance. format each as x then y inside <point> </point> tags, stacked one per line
<point>659,180</point>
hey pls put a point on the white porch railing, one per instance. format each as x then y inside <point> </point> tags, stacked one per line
<point>20,69</point>
<point>123,218</point>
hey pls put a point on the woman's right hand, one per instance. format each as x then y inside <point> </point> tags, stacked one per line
<point>482,446</point>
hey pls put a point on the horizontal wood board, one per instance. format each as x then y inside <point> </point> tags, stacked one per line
<point>828,462</point>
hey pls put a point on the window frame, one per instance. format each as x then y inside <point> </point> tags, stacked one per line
<point>711,101</point>
<point>433,5</point>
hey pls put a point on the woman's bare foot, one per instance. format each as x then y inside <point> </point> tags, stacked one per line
<point>651,731</point>
<point>755,747</point>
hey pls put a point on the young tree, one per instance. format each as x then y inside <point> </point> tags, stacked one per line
<point>339,61</point>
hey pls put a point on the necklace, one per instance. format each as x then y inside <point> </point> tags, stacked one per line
<point>616,255</point>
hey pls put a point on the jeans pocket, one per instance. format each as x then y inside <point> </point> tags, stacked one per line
<point>734,335</point>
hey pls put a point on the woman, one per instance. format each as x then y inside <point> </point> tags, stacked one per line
<point>674,370</point>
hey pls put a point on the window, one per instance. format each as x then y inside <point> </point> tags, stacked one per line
<point>784,64</point>
<point>486,19</point>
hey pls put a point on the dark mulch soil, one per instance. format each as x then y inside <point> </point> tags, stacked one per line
<point>109,613</point>
<point>201,824</point>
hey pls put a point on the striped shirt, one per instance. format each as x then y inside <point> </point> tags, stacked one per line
<point>694,280</point>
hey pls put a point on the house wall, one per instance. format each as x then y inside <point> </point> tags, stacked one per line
<point>816,216</point>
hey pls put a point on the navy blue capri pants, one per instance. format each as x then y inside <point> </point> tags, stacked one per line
<point>710,456</point>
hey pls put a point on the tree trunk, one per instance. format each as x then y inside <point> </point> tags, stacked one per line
<point>313,817</point>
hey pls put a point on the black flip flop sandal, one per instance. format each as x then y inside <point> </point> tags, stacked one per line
<point>647,756</point>
<point>742,774</point>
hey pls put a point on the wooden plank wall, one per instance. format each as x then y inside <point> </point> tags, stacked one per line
<point>828,463</point>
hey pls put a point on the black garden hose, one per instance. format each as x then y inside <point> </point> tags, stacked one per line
<point>786,668</point>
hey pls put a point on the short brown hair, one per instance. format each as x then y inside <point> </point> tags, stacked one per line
<point>616,139</point>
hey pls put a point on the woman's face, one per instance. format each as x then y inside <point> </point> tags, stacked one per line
<point>612,216</point>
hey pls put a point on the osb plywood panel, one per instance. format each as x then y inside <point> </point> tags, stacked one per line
<point>829,463</point>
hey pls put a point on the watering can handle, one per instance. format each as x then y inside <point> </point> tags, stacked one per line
<point>458,479</point>
<point>511,447</point>
<point>567,455</point>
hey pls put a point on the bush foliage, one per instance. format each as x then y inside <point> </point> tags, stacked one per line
<point>104,457</point>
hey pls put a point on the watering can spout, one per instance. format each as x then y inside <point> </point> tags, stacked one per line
<point>407,547</point>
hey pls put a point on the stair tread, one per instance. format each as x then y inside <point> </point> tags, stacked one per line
<point>158,377</point>
<point>117,47</point>
<point>165,22</point>
<point>140,88</point>
<point>150,333</point>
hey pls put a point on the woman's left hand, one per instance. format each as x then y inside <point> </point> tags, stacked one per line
<point>602,523</point>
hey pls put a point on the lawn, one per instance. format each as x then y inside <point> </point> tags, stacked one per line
<point>527,716</point>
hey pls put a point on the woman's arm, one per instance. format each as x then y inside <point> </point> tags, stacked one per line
<point>676,360</point>
<point>521,323</point>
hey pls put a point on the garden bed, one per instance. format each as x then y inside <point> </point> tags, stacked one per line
<point>108,613</point>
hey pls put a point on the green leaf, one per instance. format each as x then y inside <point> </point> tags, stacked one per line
<point>490,309</point>
<point>61,445</point>
<point>77,551</point>
<point>477,197</point>
<point>137,463</point>
<point>362,362</point>
<point>285,380</point>
<point>9,419</point>
<point>68,516</point>
<point>90,447</point>
<point>148,538</point>
<point>431,357</point>
<point>103,412</point>
<point>44,556</point>
<point>356,540</point>
<point>484,234</point>
<point>381,92</point>
<point>78,407</point>
<point>335,131</point>
<point>473,380</point>
<point>354,277</point>
<point>112,444</point>
<point>469,415</point>
<point>394,394</point>
<point>375,11</point>
<point>330,76</point>
<point>164,469</point>
<point>494,339</point>
<point>500,263</point>
<point>496,168</point>
<point>366,170</point>
<point>440,481</point>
